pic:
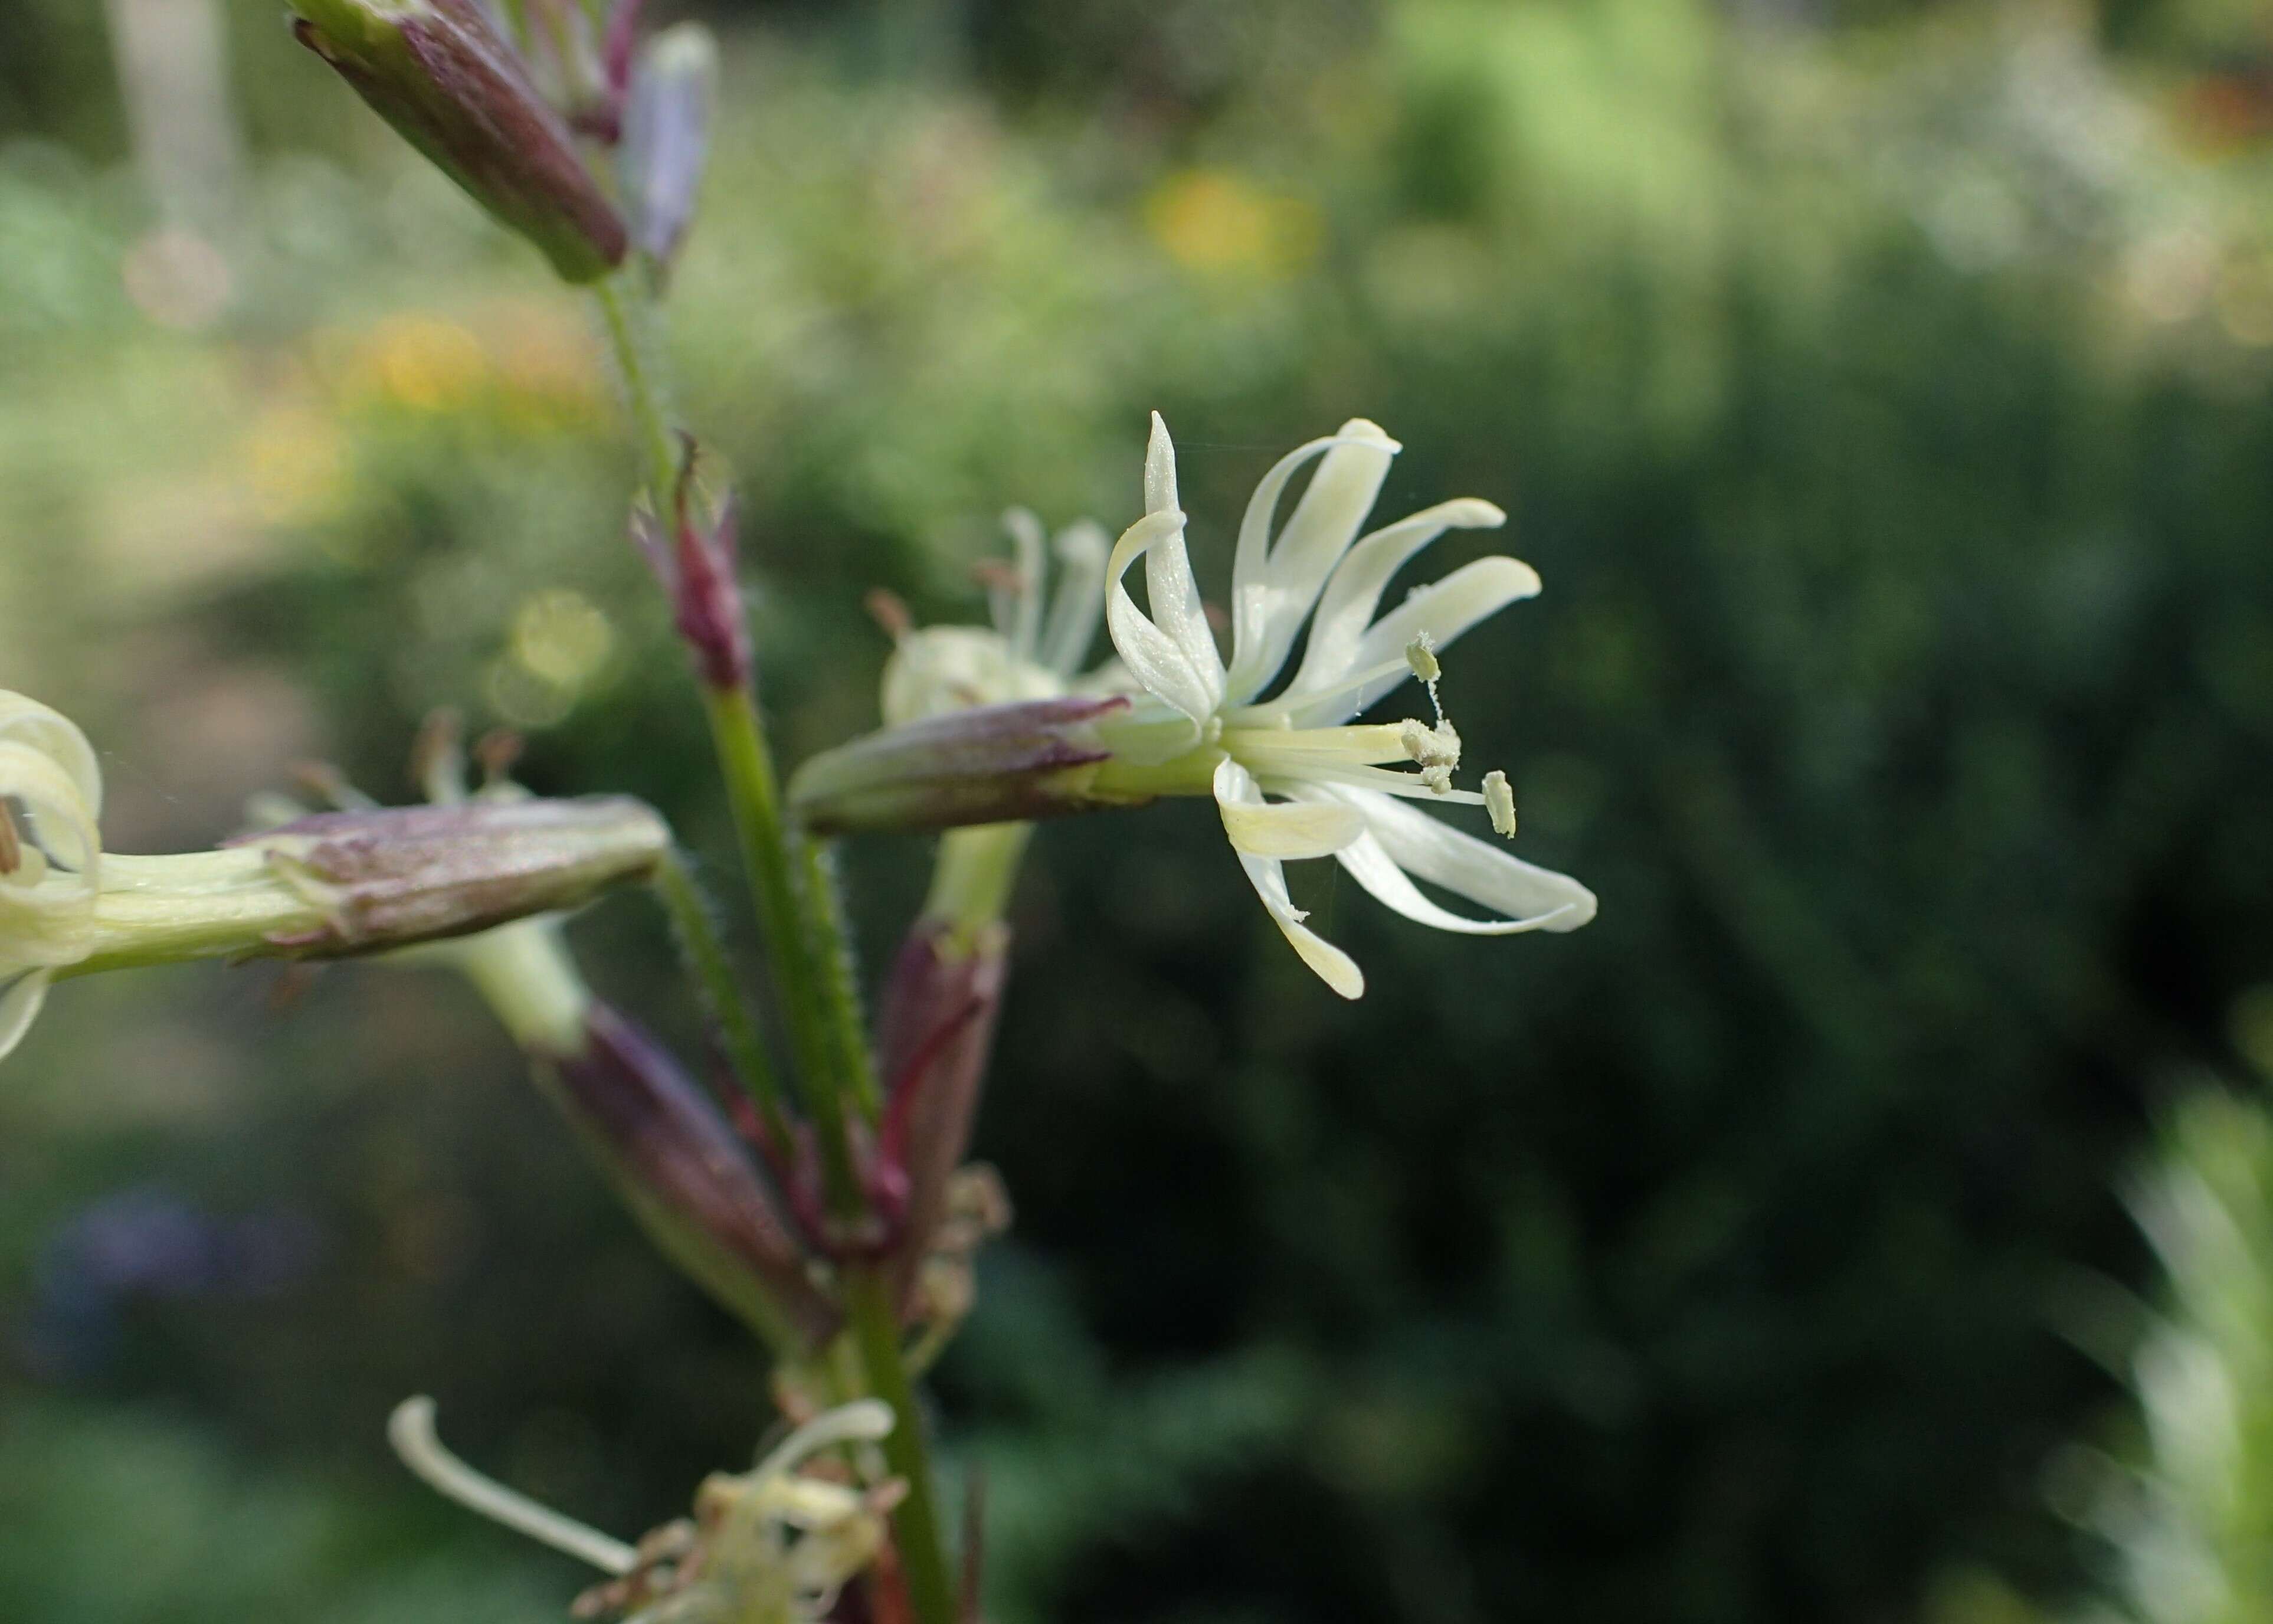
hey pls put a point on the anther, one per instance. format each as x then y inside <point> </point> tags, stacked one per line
<point>499,752</point>
<point>1499,801</point>
<point>1435,750</point>
<point>12,847</point>
<point>889,611</point>
<point>437,756</point>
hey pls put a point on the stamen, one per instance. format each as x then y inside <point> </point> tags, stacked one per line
<point>499,752</point>
<point>1436,749</point>
<point>437,756</point>
<point>889,610</point>
<point>322,781</point>
<point>12,848</point>
<point>1421,654</point>
<point>410,1429</point>
<point>864,1421</point>
<point>1499,801</point>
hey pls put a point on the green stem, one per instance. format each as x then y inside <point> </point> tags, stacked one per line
<point>722,992</point>
<point>839,981</point>
<point>915,1523</point>
<point>796,947</point>
<point>811,963</point>
<point>625,318</point>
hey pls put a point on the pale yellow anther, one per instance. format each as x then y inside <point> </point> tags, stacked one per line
<point>1421,654</point>
<point>1499,801</point>
<point>1435,750</point>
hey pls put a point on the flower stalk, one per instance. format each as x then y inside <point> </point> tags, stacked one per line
<point>807,948</point>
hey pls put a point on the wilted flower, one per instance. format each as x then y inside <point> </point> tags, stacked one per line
<point>773,1545</point>
<point>1335,793</point>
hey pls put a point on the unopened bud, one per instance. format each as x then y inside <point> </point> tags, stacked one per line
<point>696,562</point>
<point>667,137</point>
<point>454,88</point>
<point>373,880</point>
<point>687,1176</point>
<point>996,763</point>
<point>934,1035</point>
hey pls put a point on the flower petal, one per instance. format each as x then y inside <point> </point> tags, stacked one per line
<point>1077,604</point>
<point>1333,965</point>
<point>20,1003</point>
<point>1444,611</point>
<point>1253,601</point>
<point>1530,897</point>
<point>58,850</point>
<point>1353,592</point>
<point>1234,784</point>
<point>1017,610</point>
<point>1171,593</point>
<point>1320,530</point>
<point>1286,831</point>
<point>27,721</point>
<point>1156,659</point>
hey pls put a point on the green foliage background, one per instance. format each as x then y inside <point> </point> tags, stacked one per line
<point>1882,392</point>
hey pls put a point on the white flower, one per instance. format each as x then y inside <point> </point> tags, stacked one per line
<point>1038,640</point>
<point>773,1545</point>
<point>50,855</point>
<point>1293,777</point>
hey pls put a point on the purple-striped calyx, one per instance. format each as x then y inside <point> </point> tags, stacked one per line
<point>455,88</point>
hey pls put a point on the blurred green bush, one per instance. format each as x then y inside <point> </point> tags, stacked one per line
<point>1886,408</point>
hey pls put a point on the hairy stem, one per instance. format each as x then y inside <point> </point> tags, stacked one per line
<point>705,956</point>
<point>811,963</point>
<point>915,1524</point>
<point>625,312</point>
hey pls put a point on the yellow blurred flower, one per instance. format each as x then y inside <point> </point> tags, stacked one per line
<point>1212,221</point>
<point>426,363</point>
<point>295,462</point>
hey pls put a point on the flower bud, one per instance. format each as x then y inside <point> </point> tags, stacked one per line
<point>997,763</point>
<point>934,1035</point>
<point>396,876</point>
<point>666,139</point>
<point>454,88</point>
<point>696,563</point>
<point>684,1173</point>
